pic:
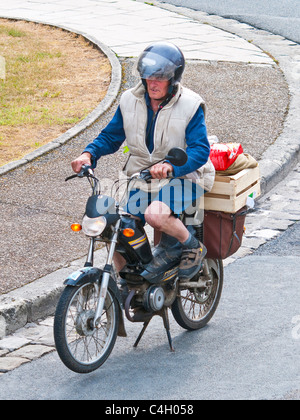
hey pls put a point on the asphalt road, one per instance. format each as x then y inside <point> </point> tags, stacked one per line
<point>286,245</point>
<point>281,18</point>
<point>250,349</point>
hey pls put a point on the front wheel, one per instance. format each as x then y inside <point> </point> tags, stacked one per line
<point>194,307</point>
<point>82,347</point>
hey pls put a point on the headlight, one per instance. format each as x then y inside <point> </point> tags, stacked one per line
<point>93,227</point>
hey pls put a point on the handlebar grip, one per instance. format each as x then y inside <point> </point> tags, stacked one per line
<point>83,172</point>
<point>145,175</point>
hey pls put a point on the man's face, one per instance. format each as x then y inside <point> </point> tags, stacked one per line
<point>157,89</point>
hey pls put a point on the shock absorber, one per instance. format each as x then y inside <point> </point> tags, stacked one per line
<point>199,232</point>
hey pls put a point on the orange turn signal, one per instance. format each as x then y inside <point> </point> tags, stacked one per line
<point>128,232</point>
<point>76,227</point>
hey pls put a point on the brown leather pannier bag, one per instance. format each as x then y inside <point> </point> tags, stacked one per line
<point>223,232</point>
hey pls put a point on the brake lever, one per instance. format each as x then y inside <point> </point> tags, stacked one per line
<point>71,177</point>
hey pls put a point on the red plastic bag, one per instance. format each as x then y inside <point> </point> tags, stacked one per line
<point>223,155</point>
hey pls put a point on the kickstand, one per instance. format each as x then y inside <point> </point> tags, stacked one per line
<point>164,314</point>
<point>165,318</point>
<point>142,333</point>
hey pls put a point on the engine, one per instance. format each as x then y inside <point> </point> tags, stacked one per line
<point>154,298</point>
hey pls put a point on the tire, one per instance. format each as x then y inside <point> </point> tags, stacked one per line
<point>80,346</point>
<point>194,308</point>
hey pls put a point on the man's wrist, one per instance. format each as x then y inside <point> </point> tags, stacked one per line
<point>170,165</point>
<point>87,154</point>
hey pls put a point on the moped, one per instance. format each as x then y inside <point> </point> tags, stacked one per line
<point>89,315</point>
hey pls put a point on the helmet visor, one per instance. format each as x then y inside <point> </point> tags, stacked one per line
<point>154,66</point>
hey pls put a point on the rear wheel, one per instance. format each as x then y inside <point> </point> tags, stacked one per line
<point>82,347</point>
<point>194,307</point>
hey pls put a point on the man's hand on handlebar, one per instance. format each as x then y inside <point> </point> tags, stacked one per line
<point>161,170</point>
<point>84,159</point>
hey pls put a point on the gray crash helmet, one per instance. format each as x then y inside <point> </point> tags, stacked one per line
<point>161,61</point>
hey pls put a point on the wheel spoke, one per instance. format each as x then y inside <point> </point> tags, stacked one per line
<point>84,344</point>
<point>195,306</point>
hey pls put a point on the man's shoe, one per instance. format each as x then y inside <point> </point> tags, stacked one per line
<point>191,261</point>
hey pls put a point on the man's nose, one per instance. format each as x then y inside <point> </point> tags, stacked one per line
<point>153,82</point>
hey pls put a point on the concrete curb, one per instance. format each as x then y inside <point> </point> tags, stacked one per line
<point>113,90</point>
<point>38,299</point>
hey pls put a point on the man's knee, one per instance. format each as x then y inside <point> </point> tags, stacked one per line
<point>157,215</point>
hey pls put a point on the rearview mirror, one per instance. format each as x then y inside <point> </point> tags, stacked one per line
<point>177,156</point>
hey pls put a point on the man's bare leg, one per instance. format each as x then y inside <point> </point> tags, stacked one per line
<point>160,217</point>
<point>119,261</point>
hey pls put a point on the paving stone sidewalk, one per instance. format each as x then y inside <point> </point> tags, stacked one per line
<point>127,27</point>
<point>27,344</point>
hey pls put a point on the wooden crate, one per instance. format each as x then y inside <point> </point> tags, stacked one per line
<point>229,193</point>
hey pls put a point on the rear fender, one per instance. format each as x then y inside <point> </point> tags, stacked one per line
<point>93,275</point>
<point>216,266</point>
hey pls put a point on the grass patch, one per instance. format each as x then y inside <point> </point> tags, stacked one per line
<point>53,80</point>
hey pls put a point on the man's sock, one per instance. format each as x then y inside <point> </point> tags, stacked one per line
<point>191,242</point>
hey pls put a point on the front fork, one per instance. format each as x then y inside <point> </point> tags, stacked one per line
<point>90,257</point>
<point>106,271</point>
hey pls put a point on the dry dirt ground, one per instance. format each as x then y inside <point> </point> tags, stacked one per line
<point>53,80</point>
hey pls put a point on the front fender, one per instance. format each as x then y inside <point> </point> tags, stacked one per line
<point>92,275</point>
<point>77,278</point>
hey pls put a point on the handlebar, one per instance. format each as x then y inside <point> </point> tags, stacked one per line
<point>86,170</point>
<point>145,175</point>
